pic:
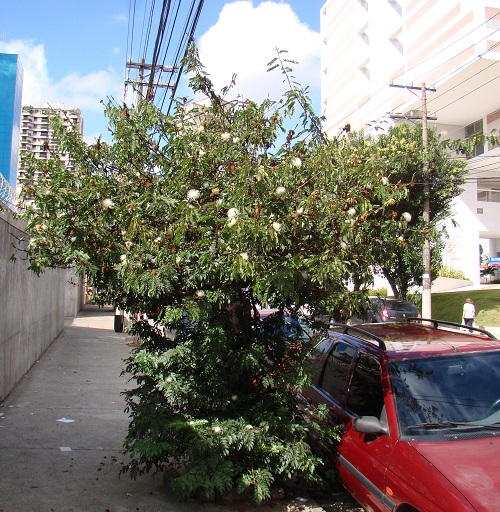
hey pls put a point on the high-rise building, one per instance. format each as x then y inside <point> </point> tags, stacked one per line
<point>36,133</point>
<point>376,57</point>
<point>11,86</point>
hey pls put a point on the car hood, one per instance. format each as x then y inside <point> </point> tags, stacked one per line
<point>471,466</point>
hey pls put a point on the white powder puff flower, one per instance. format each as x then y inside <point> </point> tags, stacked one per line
<point>236,140</point>
<point>201,153</point>
<point>385,180</point>
<point>401,239</point>
<point>158,239</point>
<point>193,194</point>
<point>232,213</point>
<point>297,162</point>
<point>351,212</point>
<point>248,427</point>
<point>128,245</point>
<point>406,216</point>
<point>200,129</point>
<point>123,259</point>
<point>232,221</point>
<point>200,294</point>
<point>280,191</point>
<point>244,256</point>
<point>217,430</point>
<point>73,238</point>
<point>107,204</point>
<point>276,226</point>
<point>225,136</point>
<point>234,398</point>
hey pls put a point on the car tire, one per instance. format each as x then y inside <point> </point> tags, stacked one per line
<point>118,323</point>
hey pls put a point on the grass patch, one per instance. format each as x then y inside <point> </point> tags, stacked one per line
<point>448,306</point>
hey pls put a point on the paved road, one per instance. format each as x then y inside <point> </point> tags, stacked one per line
<point>62,428</point>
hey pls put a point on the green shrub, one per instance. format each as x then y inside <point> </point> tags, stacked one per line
<point>452,273</point>
<point>378,292</point>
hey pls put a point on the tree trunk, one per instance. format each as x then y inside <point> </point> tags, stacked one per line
<point>240,315</point>
<point>392,282</point>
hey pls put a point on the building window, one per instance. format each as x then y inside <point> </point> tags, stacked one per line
<point>488,196</point>
<point>363,33</point>
<point>365,70</point>
<point>475,128</point>
<point>395,5</point>
<point>394,39</point>
<point>364,4</point>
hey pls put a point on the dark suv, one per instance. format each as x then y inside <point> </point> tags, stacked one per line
<point>418,404</point>
<point>386,310</point>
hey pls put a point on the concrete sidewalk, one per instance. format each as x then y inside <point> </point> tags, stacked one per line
<point>62,429</point>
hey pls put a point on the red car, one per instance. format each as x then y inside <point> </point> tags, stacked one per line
<point>419,407</point>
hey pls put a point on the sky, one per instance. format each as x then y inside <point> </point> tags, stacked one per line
<point>74,52</point>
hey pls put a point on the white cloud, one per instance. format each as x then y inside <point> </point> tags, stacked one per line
<point>36,78</point>
<point>121,18</point>
<point>245,39</point>
<point>74,90</point>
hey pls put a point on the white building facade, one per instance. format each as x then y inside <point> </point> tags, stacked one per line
<point>374,50</point>
<point>36,135</point>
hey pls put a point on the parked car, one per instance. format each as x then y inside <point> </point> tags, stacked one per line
<point>384,310</point>
<point>418,404</point>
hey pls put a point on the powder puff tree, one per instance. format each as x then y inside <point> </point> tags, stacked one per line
<point>194,217</point>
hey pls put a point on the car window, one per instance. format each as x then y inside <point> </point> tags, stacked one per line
<point>401,305</point>
<point>336,370</point>
<point>316,357</point>
<point>365,396</point>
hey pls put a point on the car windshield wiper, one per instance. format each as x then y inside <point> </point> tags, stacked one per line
<point>447,424</point>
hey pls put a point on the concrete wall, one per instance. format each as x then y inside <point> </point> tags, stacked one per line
<point>32,308</point>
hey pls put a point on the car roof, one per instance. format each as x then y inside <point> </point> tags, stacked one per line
<point>413,339</point>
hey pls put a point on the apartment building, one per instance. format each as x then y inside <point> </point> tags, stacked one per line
<point>378,57</point>
<point>11,86</point>
<point>36,133</point>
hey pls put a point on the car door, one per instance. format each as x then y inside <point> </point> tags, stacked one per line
<point>350,384</point>
<point>333,360</point>
<point>363,458</point>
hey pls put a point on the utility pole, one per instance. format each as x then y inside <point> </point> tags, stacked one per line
<point>426,252</point>
<point>140,82</point>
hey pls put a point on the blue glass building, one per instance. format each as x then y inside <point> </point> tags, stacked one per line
<point>11,87</point>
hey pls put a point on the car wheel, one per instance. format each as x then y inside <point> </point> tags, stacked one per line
<point>118,323</point>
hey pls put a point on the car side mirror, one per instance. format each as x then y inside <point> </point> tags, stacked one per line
<point>369,425</point>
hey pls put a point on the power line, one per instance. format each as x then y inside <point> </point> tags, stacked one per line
<point>160,67</point>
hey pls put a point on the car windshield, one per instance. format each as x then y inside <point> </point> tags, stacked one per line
<point>458,391</point>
